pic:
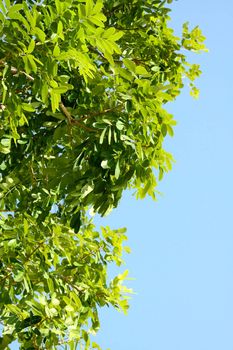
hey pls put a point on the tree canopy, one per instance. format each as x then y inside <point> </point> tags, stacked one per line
<point>84,85</point>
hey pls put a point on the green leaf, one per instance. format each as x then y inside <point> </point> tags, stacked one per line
<point>98,7</point>
<point>6,142</point>
<point>161,173</point>
<point>44,92</point>
<point>40,34</point>
<point>141,70</point>
<point>117,170</point>
<point>76,299</point>
<point>19,277</point>
<point>95,346</point>
<point>128,106</point>
<point>62,89</point>
<point>31,46</point>
<point>109,135</point>
<point>164,130</point>
<point>75,222</point>
<point>56,51</point>
<point>32,63</point>
<point>28,107</point>
<point>27,68</point>
<point>88,8</point>
<point>59,28</point>
<point>102,136</point>
<point>96,20</point>
<point>19,17</point>
<point>55,100</point>
<point>14,309</point>
<point>170,130</point>
<point>6,340</point>
<point>53,83</point>
<point>129,64</point>
<point>14,9</point>
<point>29,321</point>
<point>2,7</point>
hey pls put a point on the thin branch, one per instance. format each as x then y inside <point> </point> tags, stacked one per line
<point>96,114</point>
<point>7,211</point>
<point>66,113</point>
<point>114,9</point>
<point>5,277</point>
<point>92,49</point>
<point>14,71</point>
<point>71,120</point>
<point>76,122</point>
<point>121,28</point>
<point>34,250</point>
<point>27,75</point>
<point>25,262</point>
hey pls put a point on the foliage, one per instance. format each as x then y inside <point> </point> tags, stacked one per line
<point>83,89</point>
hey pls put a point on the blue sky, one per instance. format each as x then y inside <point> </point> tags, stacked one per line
<point>182,244</point>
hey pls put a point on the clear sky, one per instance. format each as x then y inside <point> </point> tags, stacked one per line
<point>182,244</point>
<point>182,258</point>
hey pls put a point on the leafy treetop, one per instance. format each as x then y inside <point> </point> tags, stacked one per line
<point>83,89</point>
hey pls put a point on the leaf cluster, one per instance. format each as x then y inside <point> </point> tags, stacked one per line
<point>84,86</point>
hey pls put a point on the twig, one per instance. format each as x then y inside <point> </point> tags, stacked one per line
<point>121,28</point>
<point>96,114</point>
<point>14,71</point>
<point>97,52</point>
<point>34,250</point>
<point>114,9</point>
<point>5,277</point>
<point>71,120</point>
<point>66,113</point>
<point>27,75</point>
<point>7,211</point>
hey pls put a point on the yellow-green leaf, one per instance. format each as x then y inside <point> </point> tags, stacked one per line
<point>31,46</point>
<point>40,34</point>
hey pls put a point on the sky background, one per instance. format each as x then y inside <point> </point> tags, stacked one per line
<point>182,244</point>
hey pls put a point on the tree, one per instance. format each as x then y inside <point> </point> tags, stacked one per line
<point>83,89</point>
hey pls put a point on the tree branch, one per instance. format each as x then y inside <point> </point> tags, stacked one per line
<point>121,28</point>
<point>15,71</point>
<point>5,277</point>
<point>34,250</point>
<point>7,211</point>
<point>71,120</point>
<point>96,114</point>
<point>66,113</point>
